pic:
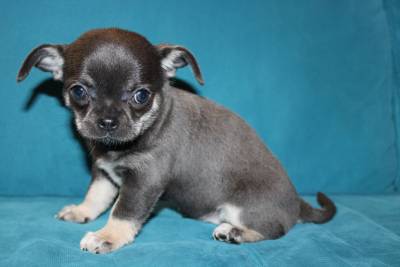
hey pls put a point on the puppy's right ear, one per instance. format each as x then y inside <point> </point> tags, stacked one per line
<point>45,57</point>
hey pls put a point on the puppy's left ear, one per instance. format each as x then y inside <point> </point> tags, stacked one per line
<point>45,57</point>
<point>174,57</point>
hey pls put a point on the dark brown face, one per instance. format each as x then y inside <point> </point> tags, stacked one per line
<point>113,80</point>
<point>112,83</point>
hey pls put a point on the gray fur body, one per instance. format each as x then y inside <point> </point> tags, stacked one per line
<point>206,156</point>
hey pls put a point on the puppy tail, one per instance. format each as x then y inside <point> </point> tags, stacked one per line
<point>310,214</point>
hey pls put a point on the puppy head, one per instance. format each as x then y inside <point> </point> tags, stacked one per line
<point>113,80</point>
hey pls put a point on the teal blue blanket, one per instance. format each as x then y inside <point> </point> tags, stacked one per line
<point>365,232</point>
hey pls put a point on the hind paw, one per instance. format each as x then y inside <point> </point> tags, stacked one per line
<point>228,233</point>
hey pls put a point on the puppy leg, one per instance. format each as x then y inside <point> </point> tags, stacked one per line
<point>234,229</point>
<point>231,228</point>
<point>136,199</point>
<point>99,197</point>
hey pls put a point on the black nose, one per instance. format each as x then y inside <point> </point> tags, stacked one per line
<point>107,124</point>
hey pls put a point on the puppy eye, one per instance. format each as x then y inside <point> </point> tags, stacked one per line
<point>79,93</point>
<point>141,96</point>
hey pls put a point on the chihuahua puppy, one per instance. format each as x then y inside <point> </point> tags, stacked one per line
<point>150,140</point>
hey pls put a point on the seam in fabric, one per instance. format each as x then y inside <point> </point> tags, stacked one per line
<point>387,6</point>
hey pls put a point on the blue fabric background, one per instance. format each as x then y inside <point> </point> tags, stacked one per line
<point>314,78</point>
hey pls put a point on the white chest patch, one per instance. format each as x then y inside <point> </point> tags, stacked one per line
<point>108,167</point>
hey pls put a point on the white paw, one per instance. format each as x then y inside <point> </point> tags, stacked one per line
<point>74,213</point>
<point>227,233</point>
<point>98,242</point>
<point>95,244</point>
<point>115,234</point>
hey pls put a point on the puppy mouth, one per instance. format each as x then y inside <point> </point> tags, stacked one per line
<point>125,133</point>
<point>109,139</point>
<point>113,139</point>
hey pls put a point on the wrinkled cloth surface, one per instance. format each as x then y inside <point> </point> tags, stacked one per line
<point>365,232</point>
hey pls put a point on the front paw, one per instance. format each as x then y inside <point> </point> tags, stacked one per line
<point>99,242</point>
<point>115,234</point>
<point>74,213</point>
